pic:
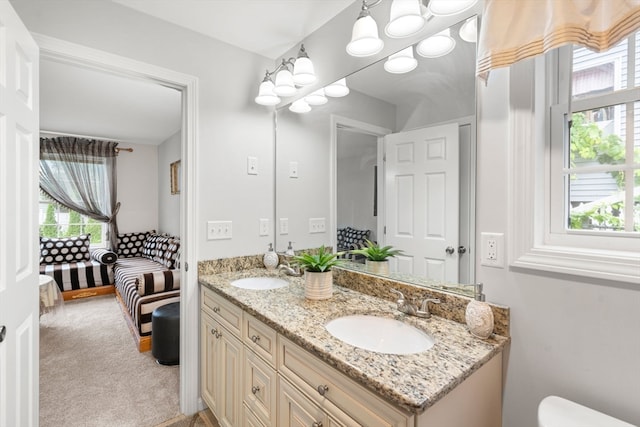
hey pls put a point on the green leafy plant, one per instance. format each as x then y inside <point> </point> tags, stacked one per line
<point>374,252</point>
<point>321,261</point>
<point>50,226</point>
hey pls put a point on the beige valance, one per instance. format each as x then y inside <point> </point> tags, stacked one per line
<point>513,30</point>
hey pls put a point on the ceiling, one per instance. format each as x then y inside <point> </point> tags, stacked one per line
<point>79,101</point>
<point>266,27</point>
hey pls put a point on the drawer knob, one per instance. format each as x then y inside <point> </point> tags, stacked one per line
<point>322,389</point>
<point>255,389</point>
<point>255,338</point>
<point>317,424</point>
<point>215,333</point>
<point>216,309</point>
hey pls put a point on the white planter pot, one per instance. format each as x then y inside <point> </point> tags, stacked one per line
<point>318,285</point>
<point>378,267</point>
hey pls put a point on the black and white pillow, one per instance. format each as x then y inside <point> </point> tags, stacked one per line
<point>65,249</point>
<point>152,246</point>
<point>104,256</point>
<point>130,244</point>
<point>340,238</point>
<point>158,281</point>
<point>171,253</point>
<point>354,238</point>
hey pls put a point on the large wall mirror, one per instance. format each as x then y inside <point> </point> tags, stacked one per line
<point>396,156</point>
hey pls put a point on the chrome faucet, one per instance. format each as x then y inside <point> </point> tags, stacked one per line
<point>411,308</point>
<point>286,267</point>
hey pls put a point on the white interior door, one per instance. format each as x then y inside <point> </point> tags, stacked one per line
<point>421,201</point>
<point>19,152</point>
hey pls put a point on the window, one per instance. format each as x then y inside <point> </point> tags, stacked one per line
<point>576,174</point>
<point>58,221</point>
<point>595,182</point>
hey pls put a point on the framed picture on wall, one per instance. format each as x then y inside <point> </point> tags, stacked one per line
<point>175,177</point>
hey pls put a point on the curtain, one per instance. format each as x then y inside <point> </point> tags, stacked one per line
<point>513,30</point>
<point>80,175</point>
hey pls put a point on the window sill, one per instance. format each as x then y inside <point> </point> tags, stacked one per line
<point>608,265</point>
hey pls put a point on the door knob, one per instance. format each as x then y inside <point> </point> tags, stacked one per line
<point>462,250</point>
<point>3,332</point>
<point>450,250</point>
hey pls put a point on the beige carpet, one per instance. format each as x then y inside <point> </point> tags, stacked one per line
<point>91,374</point>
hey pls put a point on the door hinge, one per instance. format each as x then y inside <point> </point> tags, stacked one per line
<point>384,230</point>
<point>186,266</point>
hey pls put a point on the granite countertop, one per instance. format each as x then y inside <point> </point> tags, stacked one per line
<point>413,382</point>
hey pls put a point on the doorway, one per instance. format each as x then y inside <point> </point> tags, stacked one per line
<point>71,53</point>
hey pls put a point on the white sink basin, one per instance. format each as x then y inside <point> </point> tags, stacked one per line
<point>380,334</point>
<point>259,283</point>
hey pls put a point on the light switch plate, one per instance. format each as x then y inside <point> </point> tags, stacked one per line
<point>264,226</point>
<point>252,165</point>
<point>293,169</point>
<point>317,225</point>
<point>284,226</point>
<point>219,230</point>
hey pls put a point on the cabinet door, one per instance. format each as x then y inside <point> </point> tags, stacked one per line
<point>209,352</point>
<point>259,390</point>
<point>295,410</point>
<point>229,379</point>
<point>249,419</point>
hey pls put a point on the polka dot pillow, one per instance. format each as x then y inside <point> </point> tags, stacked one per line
<point>65,249</point>
<point>130,244</point>
<point>354,238</point>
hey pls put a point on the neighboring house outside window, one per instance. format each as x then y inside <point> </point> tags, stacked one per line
<point>599,171</point>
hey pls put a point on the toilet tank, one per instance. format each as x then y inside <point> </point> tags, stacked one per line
<point>555,411</point>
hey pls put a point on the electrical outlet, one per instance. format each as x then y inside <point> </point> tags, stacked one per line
<point>252,165</point>
<point>219,230</point>
<point>317,225</point>
<point>264,226</point>
<point>492,249</point>
<point>284,225</point>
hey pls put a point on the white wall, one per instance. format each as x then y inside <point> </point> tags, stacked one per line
<point>169,204</point>
<point>573,337</point>
<point>232,126</point>
<point>138,188</point>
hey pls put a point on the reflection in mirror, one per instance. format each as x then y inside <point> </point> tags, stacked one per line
<point>331,168</point>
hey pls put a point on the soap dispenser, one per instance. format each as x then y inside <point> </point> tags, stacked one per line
<point>289,251</point>
<point>270,258</point>
<point>478,315</point>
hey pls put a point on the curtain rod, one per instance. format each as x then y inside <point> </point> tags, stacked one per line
<point>118,149</point>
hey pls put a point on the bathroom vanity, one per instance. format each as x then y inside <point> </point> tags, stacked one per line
<point>268,360</point>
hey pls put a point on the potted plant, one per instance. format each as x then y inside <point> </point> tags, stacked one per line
<point>376,256</point>
<point>318,276</point>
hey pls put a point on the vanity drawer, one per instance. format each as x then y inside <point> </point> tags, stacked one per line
<point>227,313</point>
<point>259,338</point>
<point>323,383</point>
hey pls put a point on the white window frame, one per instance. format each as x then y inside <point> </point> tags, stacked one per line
<point>535,244</point>
<point>103,225</point>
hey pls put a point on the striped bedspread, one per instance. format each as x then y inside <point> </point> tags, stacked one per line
<point>79,275</point>
<point>127,270</point>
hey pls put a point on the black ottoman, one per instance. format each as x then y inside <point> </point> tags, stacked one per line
<point>165,334</point>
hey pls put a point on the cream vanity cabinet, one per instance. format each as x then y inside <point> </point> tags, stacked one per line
<point>255,377</point>
<point>221,358</point>
<point>238,373</point>
<point>250,373</point>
